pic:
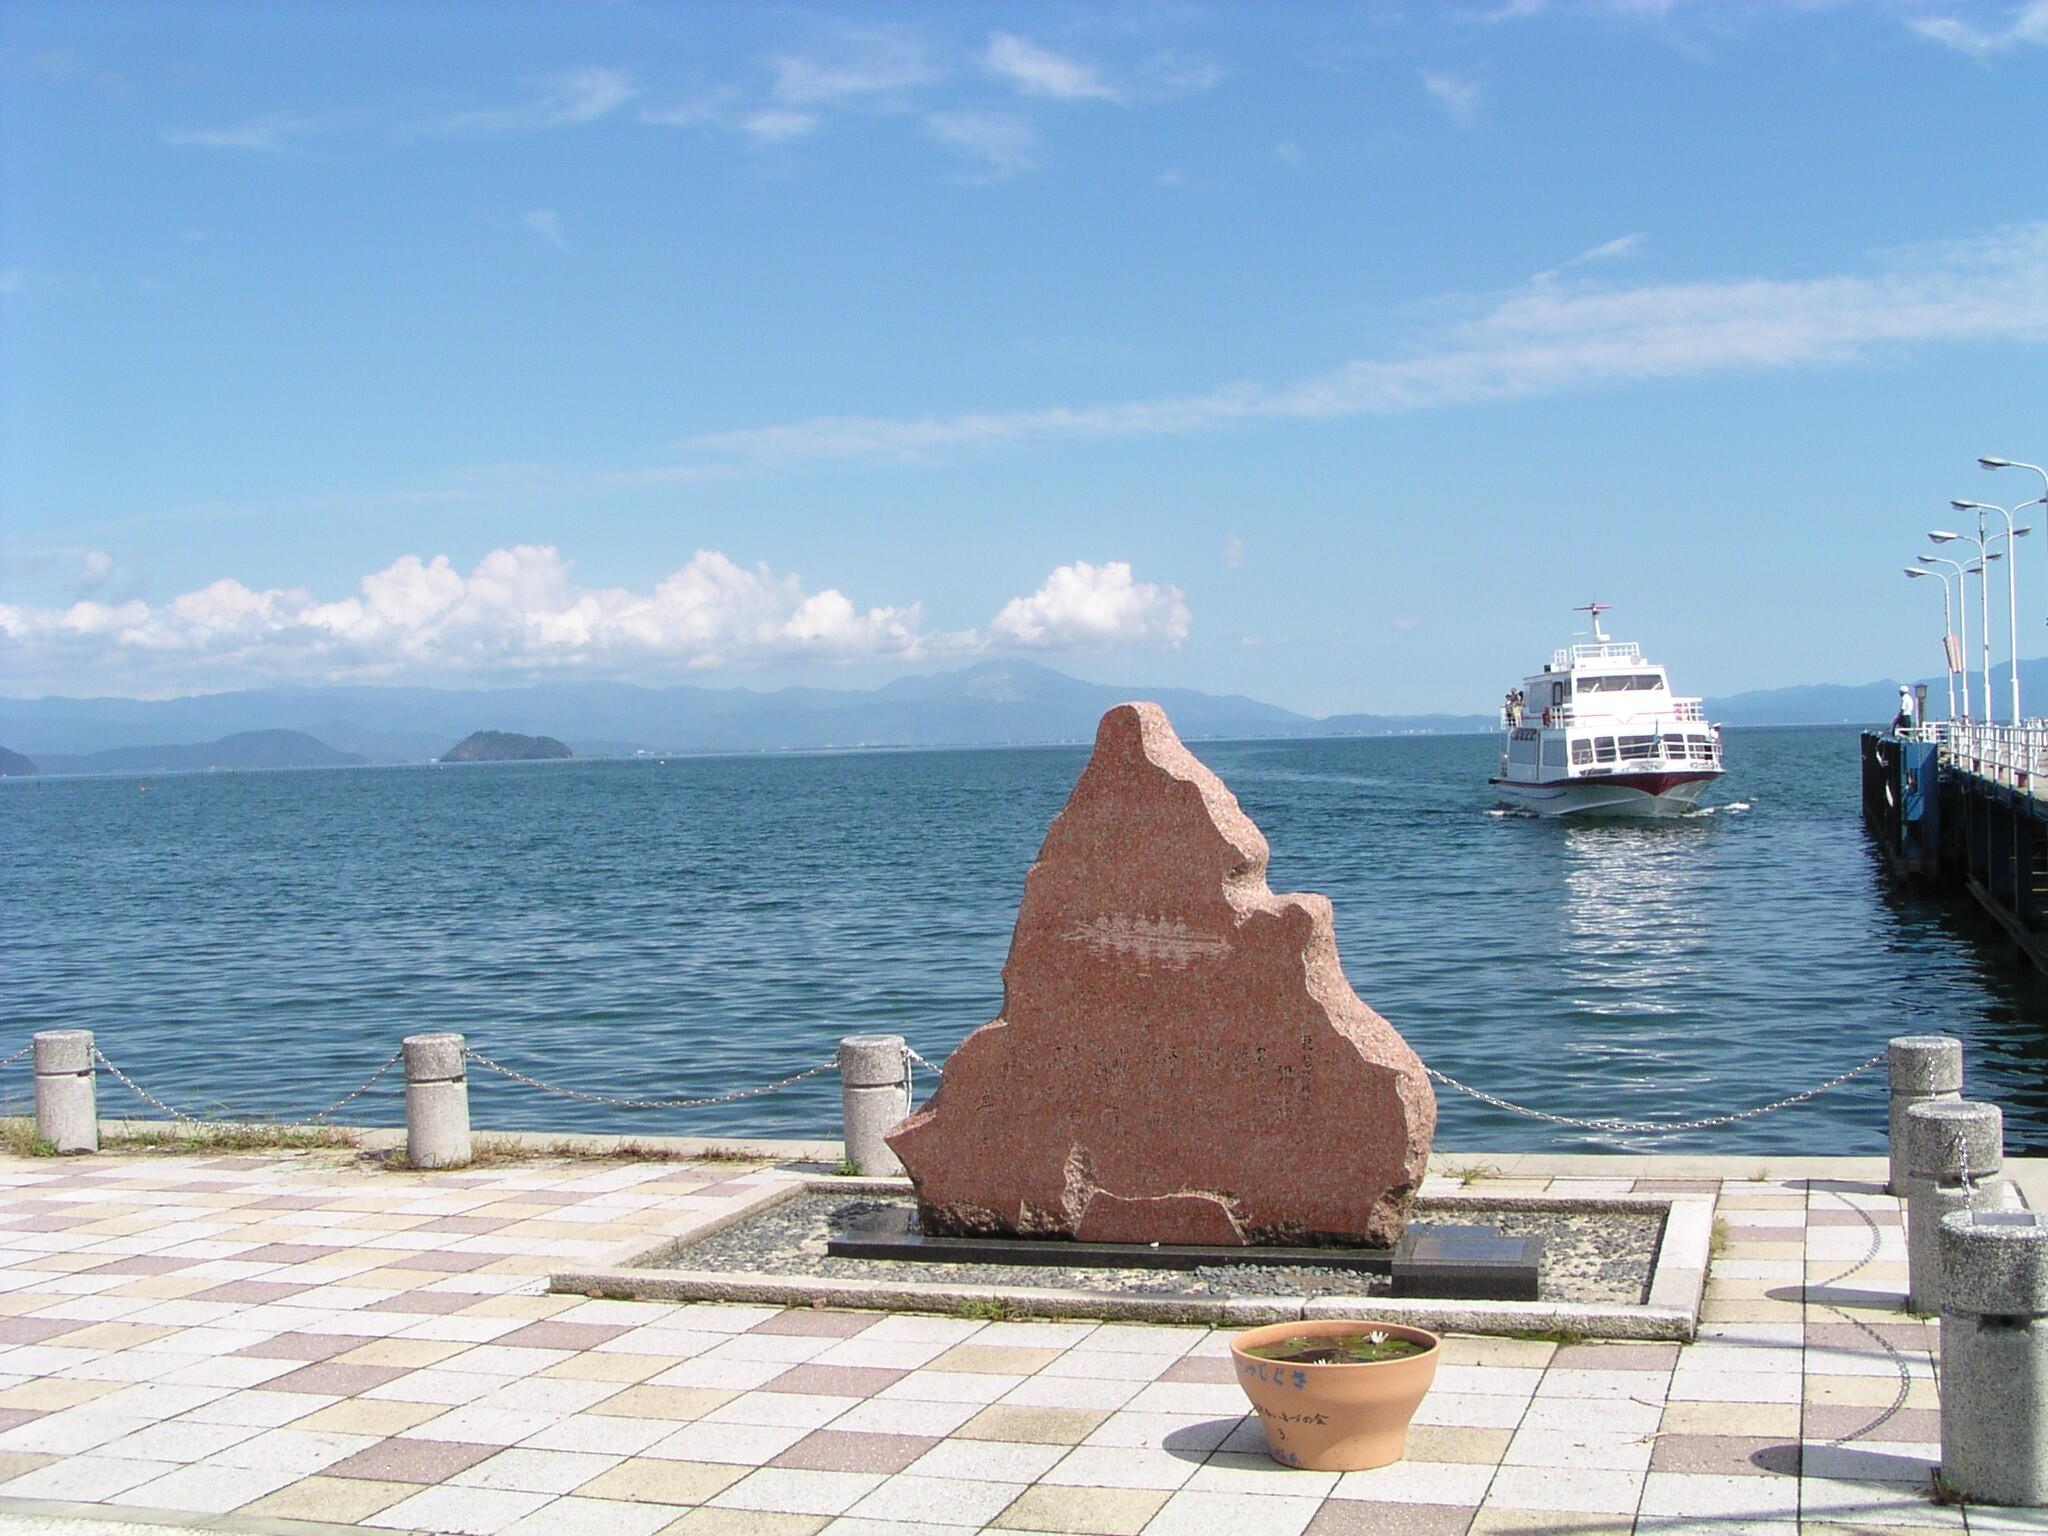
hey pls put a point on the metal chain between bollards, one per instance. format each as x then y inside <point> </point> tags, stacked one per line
<point>925,1061</point>
<point>1653,1127</point>
<point>179,1115</point>
<point>616,1103</point>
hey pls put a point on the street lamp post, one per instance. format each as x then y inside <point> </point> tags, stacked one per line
<point>1963,610</point>
<point>1948,632</point>
<point>2012,602</point>
<point>1985,556</point>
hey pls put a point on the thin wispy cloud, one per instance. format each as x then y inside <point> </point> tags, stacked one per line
<point>1542,338</point>
<point>264,134</point>
<point>1621,248</point>
<point>998,143</point>
<point>856,67</point>
<point>520,613</point>
<point>1038,71</point>
<point>779,125</point>
<point>566,100</point>
<point>547,224</point>
<point>2021,25</point>
<point>1459,97</point>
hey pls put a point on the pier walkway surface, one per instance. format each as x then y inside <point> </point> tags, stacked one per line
<point>311,1343</point>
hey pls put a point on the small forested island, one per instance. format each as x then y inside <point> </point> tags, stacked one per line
<point>14,766</point>
<point>504,747</point>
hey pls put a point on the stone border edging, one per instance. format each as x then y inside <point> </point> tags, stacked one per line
<point>1677,1278</point>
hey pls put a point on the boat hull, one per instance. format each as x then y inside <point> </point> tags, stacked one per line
<point>1632,794</point>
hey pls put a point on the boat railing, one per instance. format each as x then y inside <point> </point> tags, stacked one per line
<point>1606,650</point>
<point>1694,710</point>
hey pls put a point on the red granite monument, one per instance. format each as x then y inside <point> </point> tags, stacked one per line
<point>1179,1058</point>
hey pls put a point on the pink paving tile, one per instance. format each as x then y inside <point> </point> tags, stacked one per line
<point>252,1292</point>
<point>1372,1517</point>
<point>835,1380</point>
<point>302,1346</point>
<point>445,1263</point>
<point>50,1223</point>
<point>552,1335</point>
<point>819,1324</point>
<point>424,1303</point>
<point>839,1450</point>
<point>33,1330</point>
<point>14,1418</point>
<point>145,1264</point>
<point>397,1460</point>
<point>1724,1454</point>
<point>730,1187</point>
<point>1616,1357</point>
<point>1200,1368</point>
<point>1841,1421</point>
<point>1900,1335</point>
<point>329,1376</point>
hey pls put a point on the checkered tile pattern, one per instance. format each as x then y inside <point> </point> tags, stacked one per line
<point>307,1338</point>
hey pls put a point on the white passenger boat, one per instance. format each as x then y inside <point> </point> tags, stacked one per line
<point>1598,733</point>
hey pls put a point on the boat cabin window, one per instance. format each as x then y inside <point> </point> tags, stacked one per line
<point>1522,747</point>
<point>1557,693</point>
<point>1553,752</point>
<point>1638,746</point>
<point>1674,746</point>
<point>1582,750</point>
<point>1603,748</point>
<point>1621,682</point>
<point>1700,745</point>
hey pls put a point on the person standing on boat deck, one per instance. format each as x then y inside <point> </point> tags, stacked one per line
<point>1903,720</point>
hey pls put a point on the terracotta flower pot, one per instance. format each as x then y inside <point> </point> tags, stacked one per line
<point>1340,1417</point>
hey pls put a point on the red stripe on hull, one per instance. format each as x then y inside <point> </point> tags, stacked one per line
<point>1648,783</point>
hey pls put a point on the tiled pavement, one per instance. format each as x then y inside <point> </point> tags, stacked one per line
<point>260,1342</point>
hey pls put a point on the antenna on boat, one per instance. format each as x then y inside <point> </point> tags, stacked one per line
<point>1596,608</point>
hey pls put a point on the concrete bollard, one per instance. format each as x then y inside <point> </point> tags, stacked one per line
<point>436,1102</point>
<point>1923,1068</point>
<point>1994,1357</point>
<point>67,1101</point>
<point>874,1094</point>
<point>1954,1152</point>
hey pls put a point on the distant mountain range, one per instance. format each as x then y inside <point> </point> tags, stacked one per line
<point>994,703</point>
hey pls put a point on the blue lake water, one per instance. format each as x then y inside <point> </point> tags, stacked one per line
<point>257,942</point>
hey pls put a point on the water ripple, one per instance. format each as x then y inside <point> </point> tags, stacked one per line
<point>249,943</point>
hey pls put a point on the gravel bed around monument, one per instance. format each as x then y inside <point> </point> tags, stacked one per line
<point>1588,1256</point>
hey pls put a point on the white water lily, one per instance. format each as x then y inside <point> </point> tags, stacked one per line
<point>1377,1336</point>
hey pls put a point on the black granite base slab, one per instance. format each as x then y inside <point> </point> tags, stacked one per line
<point>1464,1263</point>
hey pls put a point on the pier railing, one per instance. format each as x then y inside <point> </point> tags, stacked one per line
<point>2013,755</point>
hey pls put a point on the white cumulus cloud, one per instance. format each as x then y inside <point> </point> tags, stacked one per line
<point>519,613</point>
<point>1085,607</point>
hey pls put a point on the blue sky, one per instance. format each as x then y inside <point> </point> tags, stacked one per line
<point>1323,353</point>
